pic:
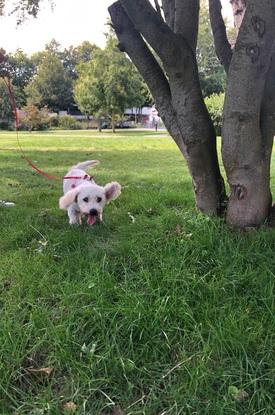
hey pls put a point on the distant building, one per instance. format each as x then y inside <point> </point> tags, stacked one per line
<point>146,117</point>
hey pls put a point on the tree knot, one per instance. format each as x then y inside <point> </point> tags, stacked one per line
<point>254,52</point>
<point>238,12</point>
<point>239,191</point>
<point>258,25</point>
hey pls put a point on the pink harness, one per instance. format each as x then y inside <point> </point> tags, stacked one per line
<point>85,177</point>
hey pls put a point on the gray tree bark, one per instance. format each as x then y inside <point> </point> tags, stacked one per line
<point>175,86</point>
<point>247,131</point>
<point>249,111</point>
<point>248,127</point>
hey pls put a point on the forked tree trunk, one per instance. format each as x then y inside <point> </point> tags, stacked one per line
<point>248,125</point>
<point>176,88</point>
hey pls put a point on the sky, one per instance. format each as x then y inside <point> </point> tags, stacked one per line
<point>70,23</point>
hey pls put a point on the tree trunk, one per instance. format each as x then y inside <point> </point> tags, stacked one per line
<point>176,89</point>
<point>113,122</point>
<point>246,148</point>
<point>99,126</point>
<point>249,111</point>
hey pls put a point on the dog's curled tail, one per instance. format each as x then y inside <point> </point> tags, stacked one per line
<point>85,164</point>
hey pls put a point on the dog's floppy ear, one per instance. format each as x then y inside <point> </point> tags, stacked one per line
<point>112,191</point>
<point>66,200</point>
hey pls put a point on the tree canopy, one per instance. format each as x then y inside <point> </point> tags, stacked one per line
<point>23,8</point>
<point>51,86</point>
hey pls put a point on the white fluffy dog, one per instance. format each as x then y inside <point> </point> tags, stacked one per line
<point>83,197</point>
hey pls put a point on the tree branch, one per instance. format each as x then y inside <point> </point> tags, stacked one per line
<point>187,20</point>
<point>168,46</point>
<point>133,44</point>
<point>158,9</point>
<point>180,65</point>
<point>252,56</point>
<point>268,108</point>
<point>222,45</point>
<point>268,103</point>
<point>168,7</point>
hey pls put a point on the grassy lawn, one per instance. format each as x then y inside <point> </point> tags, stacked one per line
<point>170,314</point>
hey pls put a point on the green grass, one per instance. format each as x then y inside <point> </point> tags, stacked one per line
<point>163,315</point>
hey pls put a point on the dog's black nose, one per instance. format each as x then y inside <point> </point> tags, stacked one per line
<point>93,212</point>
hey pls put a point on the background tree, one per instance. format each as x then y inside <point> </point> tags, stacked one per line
<point>211,72</point>
<point>89,88</point>
<point>5,106</point>
<point>108,84</point>
<point>73,56</point>
<point>51,85</point>
<point>23,8</point>
<point>6,114</point>
<point>214,104</point>
<point>23,70</point>
<point>248,118</point>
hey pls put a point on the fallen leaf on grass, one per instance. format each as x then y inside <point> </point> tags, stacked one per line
<point>242,395</point>
<point>44,213</point>
<point>189,235</point>
<point>6,204</point>
<point>70,407</point>
<point>178,230</point>
<point>41,246</point>
<point>133,219</point>
<point>43,370</point>
<point>88,349</point>
<point>117,411</point>
<point>151,212</point>
<point>43,243</point>
<point>237,394</point>
<point>57,257</point>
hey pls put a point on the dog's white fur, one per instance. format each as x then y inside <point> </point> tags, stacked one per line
<point>81,196</point>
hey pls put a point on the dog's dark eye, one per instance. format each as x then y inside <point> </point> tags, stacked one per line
<point>98,199</point>
<point>86,199</point>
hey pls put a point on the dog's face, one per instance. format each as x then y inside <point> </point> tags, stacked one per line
<point>90,199</point>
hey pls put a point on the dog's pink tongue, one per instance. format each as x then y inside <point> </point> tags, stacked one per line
<point>91,220</point>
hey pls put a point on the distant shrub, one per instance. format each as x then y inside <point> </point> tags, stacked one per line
<point>33,118</point>
<point>69,123</point>
<point>214,105</point>
<point>54,121</point>
<point>5,125</point>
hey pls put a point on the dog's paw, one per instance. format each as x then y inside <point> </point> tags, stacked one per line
<point>74,221</point>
